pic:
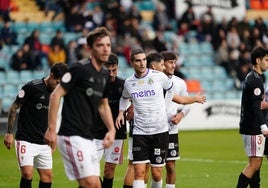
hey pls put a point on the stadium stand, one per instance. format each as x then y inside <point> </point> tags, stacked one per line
<point>202,73</point>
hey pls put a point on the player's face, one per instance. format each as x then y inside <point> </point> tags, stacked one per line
<point>113,69</point>
<point>264,63</point>
<point>160,66</point>
<point>170,67</point>
<point>53,83</point>
<point>101,49</point>
<point>139,64</point>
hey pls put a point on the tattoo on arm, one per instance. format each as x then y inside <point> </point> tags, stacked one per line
<point>12,114</point>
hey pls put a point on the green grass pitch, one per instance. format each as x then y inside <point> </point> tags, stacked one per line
<point>209,159</point>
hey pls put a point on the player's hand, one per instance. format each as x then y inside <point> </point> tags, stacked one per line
<point>176,119</point>
<point>200,98</point>
<point>108,139</point>
<point>130,112</point>
<point>8,140</point>
<point>50,139</point>
<point>119,120</point>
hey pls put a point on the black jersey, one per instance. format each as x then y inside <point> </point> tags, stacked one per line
<point>114,95</point>
<point>85,88</point>
<point>33,114</point>
<point>252,117</point>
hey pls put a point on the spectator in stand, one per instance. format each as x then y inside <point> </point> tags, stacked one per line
<point>71,52</point>
<point>22,59</point>
<point>5,9</point>
<point>189,17</point>
<point>73,19</point>
<point>56,54</point>
<point>54,6</point>
<point>259,23</point>
<point>57,39</point>
<point>222,56</point>
<point>160,18</point>
<point>233,39</point>
<point>242,26</point>
<point>255,36</point>
<point>36,47</point>
<point>159,42</point>
<point>7,35</point>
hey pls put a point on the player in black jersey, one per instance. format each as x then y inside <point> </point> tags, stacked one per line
<point>85,89</point>
<point>114,154</point>
<point>31,150</point>
<point>252,123</point>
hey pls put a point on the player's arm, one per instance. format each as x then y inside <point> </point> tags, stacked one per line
<point>54,103</point>
<point>123,104</point>
<point>198,98</point>
<point>106,116</point>
<point>12,114</point>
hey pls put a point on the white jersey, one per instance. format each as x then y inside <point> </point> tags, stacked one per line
<point>180,88</point>
<point>147,95</point>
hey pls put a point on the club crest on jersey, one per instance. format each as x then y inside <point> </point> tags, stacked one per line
<point>21,93</point>
<point>257,91</point>
<point>157,151</point>
<point>158,159</point>
<point>150,81</point>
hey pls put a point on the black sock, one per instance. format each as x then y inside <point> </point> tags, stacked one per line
<point>243,181</point>
<point>255,180</point>
<point>44,184</point>
<point>107,183</point>
<point>24,183</point>
<point>127,186</point>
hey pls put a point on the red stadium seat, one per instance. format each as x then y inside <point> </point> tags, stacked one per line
<point>255,4</point>
<point>193,86</point>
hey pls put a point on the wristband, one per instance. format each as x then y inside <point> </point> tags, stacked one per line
<point>264,127</point>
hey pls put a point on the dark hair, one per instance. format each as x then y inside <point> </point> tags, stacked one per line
<point>58,69</point>
<point>113,60</point>
<point>135,52</point>
<point>99,32</point>
<point>168,55</point>
<point>153,57</point>
<point>258,52</point>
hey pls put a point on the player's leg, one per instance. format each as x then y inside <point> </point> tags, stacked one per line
<point>158,150</point>
<point>171,174</point>
<point>81,162</point>
<point>173,154</point>
<point>113,156</point>
<point>254,148</point>
<point>25,155</point>
<point>43,164</point>
<point>129,176</point>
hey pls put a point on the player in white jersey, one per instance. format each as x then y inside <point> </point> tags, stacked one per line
<point>175,113</point>
<point>150,132</point>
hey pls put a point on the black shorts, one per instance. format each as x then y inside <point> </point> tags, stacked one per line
<point>266,147</point>
<point>173,147</point>
<point>150,148</point>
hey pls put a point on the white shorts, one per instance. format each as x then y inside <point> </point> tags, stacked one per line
<point>37,155</point>
<point>130,146</point>
<point>79,157</point>
<point>113,154</point>
<point>254,145</point>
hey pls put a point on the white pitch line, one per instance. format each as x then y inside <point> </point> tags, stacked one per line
<point>213,161</point>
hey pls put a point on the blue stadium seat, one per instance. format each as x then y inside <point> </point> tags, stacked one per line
<point>6,102</point>
<point>2,78</point>
<point>145,5</point>
<point>26,76</point>
<point>10,90</point>
<point>12,77</point>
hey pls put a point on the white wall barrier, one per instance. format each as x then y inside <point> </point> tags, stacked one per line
<point>214,114</point>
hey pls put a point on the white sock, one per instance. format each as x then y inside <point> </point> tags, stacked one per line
<point>170,185</point>
<point>156,184</point>
<point>138,183</point>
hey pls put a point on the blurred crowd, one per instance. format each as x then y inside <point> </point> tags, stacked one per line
<point>232,40</point>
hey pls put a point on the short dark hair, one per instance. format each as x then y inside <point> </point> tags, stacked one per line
<point>58,70</point>
<point>134,52</point>
<point>258,52</point>
<point>168,55</point>
<point>153,57</point>
<point>113,60</point>
<point>98,32</point>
